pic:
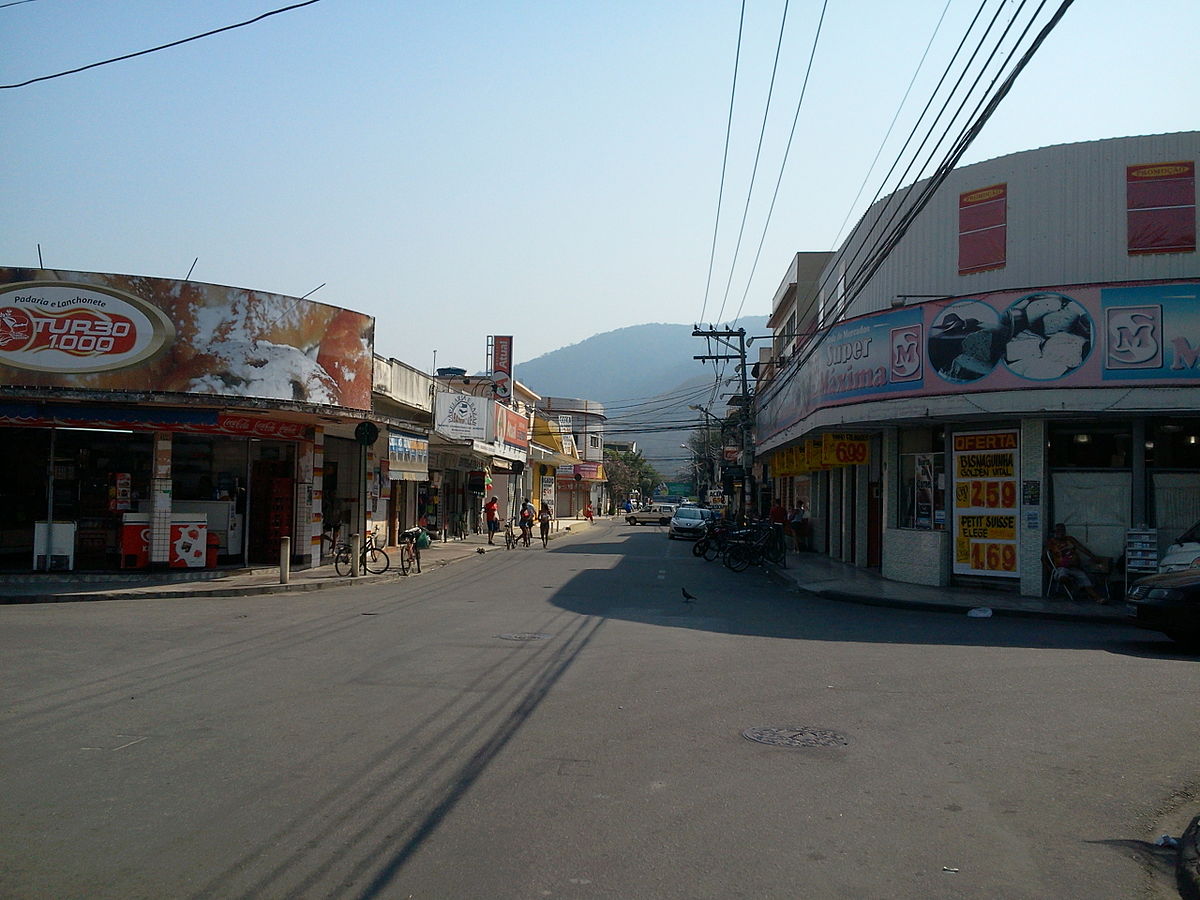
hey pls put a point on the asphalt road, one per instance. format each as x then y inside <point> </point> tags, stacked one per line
<point>558,723</point>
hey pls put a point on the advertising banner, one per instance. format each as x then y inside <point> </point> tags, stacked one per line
<point>548,490</point>
<point>461,417</point>
<point>502,365</point>
<point>115,332</point>
<point>512,428</point>
<point>408,457</point>
<point>844,449</point>
<point>986,465</point>
<point>1065,337</point>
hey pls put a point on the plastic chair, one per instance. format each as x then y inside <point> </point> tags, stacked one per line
<point>1057,580</point>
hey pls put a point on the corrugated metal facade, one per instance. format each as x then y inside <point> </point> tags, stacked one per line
<point>1066,225</point>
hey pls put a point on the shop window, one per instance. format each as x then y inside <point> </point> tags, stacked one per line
<point>1161,208</point>
<point>922,491</point>
<point>1089,447</point>
<point>982,229</point>
<point>1173,445</point>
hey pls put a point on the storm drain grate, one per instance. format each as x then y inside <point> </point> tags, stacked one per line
<point>795,737</point>
<point>523,636</point>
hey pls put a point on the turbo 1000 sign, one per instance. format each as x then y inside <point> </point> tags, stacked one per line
<point>74,329</point>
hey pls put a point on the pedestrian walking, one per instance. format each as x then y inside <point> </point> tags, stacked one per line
<point>544,518</point>
<point>491,512</point>
<point>589,514</point>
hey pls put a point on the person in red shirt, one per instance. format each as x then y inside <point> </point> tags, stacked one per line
<point>589,513</point>
<point>491,511</point>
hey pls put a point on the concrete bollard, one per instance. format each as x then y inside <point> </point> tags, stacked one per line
<point>355,554</point>
<point>285,560</point>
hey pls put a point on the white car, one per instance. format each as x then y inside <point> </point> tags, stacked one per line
<point>657,514</point>
<point>688,522</point>
<point>1184,553</point>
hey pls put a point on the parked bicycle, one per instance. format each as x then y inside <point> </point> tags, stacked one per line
<point>510,535</point>
<point>763,543</point>
<point>410,550</point>
<point>372,558</point>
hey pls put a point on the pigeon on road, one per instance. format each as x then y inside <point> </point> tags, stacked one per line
<point>687,598</point>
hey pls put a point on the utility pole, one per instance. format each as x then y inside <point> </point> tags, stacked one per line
<point>726,337</point>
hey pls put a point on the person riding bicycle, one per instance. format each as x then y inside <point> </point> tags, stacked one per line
<point>527,515</point>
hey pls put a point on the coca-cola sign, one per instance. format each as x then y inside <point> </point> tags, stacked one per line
<point>74,328</point>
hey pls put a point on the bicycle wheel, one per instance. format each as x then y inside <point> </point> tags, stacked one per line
<point>341,561</point>
<point>510,539</point>
<point>699,547</point>
<point>712,551</point>
<point>736,558</point>
<point>405,551</point>
<point>775,552</point>
<point>375,561</point>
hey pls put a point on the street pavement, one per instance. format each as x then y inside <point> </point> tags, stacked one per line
<point>584,737</point>
<point>809,572</point>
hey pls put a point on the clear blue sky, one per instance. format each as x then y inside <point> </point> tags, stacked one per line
<point>545,169</point>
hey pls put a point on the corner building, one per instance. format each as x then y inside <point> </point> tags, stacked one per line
<point>1028,353</point>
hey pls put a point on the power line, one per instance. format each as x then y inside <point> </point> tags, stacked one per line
<point>724,160</point>
<point>757,155</point>
<point>187,40</point>
<point>783,163</point>
<point>884,247</point>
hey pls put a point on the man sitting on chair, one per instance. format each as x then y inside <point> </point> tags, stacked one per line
<point>1067,555</point>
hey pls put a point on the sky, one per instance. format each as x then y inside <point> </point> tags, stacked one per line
<point>549,170</point>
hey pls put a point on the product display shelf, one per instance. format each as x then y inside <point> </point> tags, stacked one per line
<point>1141,553</point>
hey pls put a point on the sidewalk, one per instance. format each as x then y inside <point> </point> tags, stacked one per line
<point>835,580</point>
<point>808,572</point>
<point>70,587</point>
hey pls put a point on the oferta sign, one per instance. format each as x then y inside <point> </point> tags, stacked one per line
<point>76,329</point>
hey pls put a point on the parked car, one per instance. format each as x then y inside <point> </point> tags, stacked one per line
<point>655,514</point>
<point>1168,602</point>
<point>688,522</point>
<point>1182,554</point>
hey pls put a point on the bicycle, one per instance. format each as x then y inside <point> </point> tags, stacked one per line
<point>372,559</point>
<point>410,552</point>
<point>510,535</point>
<point>764,543</point>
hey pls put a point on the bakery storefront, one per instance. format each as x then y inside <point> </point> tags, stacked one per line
<point>150,422</point>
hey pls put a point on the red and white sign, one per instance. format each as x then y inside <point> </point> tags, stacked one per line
<point>74,329</point>
<point>502,365</point>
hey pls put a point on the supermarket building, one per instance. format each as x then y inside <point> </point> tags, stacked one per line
<point>1028,353</point>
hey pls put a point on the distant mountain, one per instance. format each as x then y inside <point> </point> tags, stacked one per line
<point>644,375</point>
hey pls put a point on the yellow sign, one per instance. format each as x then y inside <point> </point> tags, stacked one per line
<point>845,449</point>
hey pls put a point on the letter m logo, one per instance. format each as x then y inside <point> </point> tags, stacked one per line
<point>905,351</point>
<point>1134,337</point>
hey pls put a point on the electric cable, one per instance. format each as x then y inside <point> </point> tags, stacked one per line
<point>967,136</point>
<point>724,161</point>
<point>757,156</point>
<point>187,40</point>
<point>783,164</point>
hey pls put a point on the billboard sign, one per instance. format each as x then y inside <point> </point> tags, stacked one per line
<point>1060,337</point>
<point>461,417</point>
<point>502,365</point>
<point>92,331</point>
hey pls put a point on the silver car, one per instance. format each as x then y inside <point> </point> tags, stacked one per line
<point>688,522</point>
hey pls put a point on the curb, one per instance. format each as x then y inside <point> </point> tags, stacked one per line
<point>931,606</point>
<point>169,591</point>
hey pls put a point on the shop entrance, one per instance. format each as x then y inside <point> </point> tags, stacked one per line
<point>272,508</point>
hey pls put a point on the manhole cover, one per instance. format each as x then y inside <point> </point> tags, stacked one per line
<point>523,636</point>
<point>795,737</point>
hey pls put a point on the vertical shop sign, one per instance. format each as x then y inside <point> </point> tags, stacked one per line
<point>985,503</point>
<point>502,365</point>
<point>548,490</point>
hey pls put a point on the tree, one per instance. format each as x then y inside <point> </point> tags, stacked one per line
<point>629,472</point>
